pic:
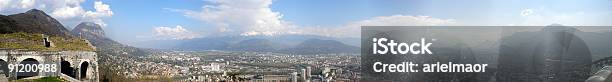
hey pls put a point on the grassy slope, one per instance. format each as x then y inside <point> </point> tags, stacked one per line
<point>31,41</point>
<point>44,79</point>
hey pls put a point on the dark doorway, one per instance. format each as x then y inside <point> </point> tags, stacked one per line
<point>4,68</point>
<point>66,69</point>
<point>23,74</point>
<point>83,68</point>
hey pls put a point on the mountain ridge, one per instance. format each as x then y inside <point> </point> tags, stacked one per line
<point>33,21</point>
<point>95,34</point>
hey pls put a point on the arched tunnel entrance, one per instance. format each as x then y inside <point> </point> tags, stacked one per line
<point>4,68</point>
<point>83,68</point>
<point>27,72</point>
<point>66,69</point>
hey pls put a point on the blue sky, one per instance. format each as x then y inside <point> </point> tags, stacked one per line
<point>142,20</point>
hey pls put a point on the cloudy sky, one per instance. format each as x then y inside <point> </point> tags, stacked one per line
<point>140,20</point>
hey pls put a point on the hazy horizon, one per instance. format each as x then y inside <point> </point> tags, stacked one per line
<point>144,20</point>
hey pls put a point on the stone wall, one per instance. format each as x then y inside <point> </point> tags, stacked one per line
<point>83,64</point>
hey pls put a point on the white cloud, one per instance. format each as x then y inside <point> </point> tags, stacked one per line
<point>526,12</point>
<point>68,12</point>
<point>250,17</point>
<point>353,29</point>
<point>254,17</point>
<point>27,3</point>
<point>177,32</point>
<point>405,20</point>
<point>545,16</point>
<point>102,10</point>
<point>4,4</point>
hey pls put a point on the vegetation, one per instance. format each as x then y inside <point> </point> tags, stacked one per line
<point>44,79</point>
<point>29,41</point>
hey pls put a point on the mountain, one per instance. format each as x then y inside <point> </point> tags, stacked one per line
<point>209,43</point>
<point>282,44</point>
<point>89,28</point>
<point>257,45</point>
<point>95,34</point>
<point>38,22</point>
<point>295,39</point>
<point>318,46</point>
<point>7,25</point>
<point>291,44</point>
<point>221,42</point>
<point>33,21</point>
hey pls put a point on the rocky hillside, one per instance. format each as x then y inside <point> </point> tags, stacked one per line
<point>25,31</point>
<point>95,34</point>
<point>32,21</point>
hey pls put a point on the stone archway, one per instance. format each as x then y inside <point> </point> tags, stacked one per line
<point>83,70</point>
<point>4,68</point>
<point>28,61</point>
<point>66,69</point>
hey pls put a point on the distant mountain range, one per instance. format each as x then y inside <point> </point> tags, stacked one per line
<point>37,21</point>
<point>293,44</point>
<point>262,45</point>
<point>316,46</point>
